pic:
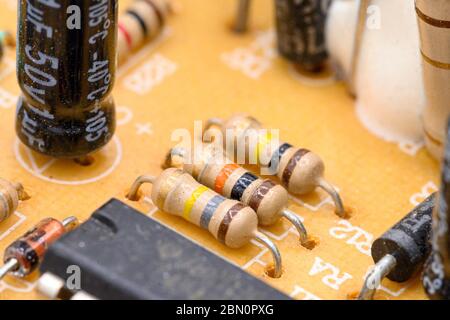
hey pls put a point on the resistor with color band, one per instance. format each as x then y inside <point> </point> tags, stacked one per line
<point>10,194</point>
<point>229,221</point>
<point>268,199</point>
<point>141,22</point>
<point>25,254</point>
<point>402,250</point>
<point>298,169</point>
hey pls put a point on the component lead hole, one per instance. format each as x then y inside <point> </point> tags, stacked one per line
<point>270,271</point>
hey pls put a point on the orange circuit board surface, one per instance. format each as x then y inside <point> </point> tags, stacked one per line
<point>198,69</point>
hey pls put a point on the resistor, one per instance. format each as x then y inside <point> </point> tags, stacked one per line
<point>402,250</point>
<point>268,199</point>
<point>10,194</point>
<point>301,32</point>
<point>436,275</point>
<point>298,169</point>
<point>5,39</point>
<point>229,221</point>
<point>141,22</point>
<point>25,254</point>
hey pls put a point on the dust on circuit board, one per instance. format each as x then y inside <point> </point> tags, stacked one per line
<point>219,75</point>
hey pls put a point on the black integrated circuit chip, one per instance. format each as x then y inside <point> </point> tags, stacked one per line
<point>123,254</point>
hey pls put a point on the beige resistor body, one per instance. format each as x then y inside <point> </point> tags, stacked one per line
<point>10,194</point>
<point>212,169</point>
<point>299,170</point>
<point>434,26</point>
<point>229,221</point>
<point>142,21</point>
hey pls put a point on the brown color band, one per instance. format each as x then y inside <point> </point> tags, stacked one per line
<point>432,139</point>
<point>435,63</point>
<point>259,194</point>
<point>432,21</point>
<point>287,173</point>
<point>225,224</point>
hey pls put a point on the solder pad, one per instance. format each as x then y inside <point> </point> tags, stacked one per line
<point>198,69</point>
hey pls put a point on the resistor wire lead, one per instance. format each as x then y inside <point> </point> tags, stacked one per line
<point>298,169</point>
<point>267,199</point>
<point>229,221</point>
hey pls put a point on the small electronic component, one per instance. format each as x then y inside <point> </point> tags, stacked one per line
<point>5,39</point>
<point>66,71</point>
<point>123,254</point>
<point>298,169</point>
<point>242,14</point>
<point>142,21</point>
<point>268,199</point>
<point>10,194</point>
<point>434,25</point>
<point>402,250</point>
<point>25,254</point>
<point>436,275</point>
<point>301,32</point>
<point>229,221</point>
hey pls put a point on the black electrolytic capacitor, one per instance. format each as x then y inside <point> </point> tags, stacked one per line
<point>66,70</point>
<point>301,32</point>
<point>436,275</point>
<point>402,250</point>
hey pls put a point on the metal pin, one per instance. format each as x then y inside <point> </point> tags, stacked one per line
<point>339,207</point>
<point>275,253</point>
<point>10,265</point>
<point>373,279</point>
<point>243,10</point>
<point>132,194</point>
<point>295,220</point>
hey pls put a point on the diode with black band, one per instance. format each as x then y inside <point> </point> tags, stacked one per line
<point>24,255</point>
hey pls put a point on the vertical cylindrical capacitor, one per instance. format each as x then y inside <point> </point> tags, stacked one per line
<point>434,26</point>
<point>436,275</point>
<point>24,255</point>
<point>66,70</point>
<point>301,32</point>
<point>229,221</point>
<point>142,21</point>
<point>402,250</point>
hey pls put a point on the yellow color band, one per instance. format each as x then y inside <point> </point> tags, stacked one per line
<point>191,201</point>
